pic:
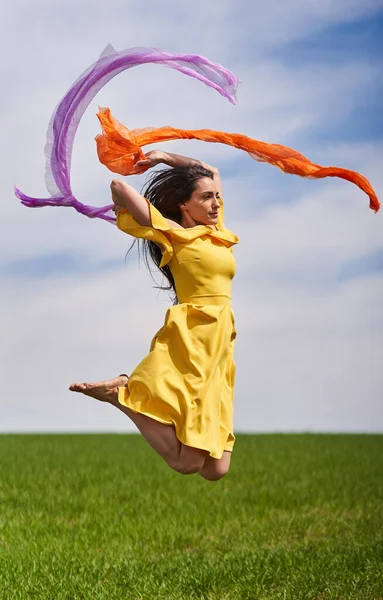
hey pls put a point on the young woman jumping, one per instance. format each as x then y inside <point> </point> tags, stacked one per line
<point>180,396</point>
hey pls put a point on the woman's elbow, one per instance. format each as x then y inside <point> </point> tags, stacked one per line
<point>116,185</point>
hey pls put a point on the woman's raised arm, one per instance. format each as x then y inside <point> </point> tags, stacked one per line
<point>125,196</point>
<point>154,157</point>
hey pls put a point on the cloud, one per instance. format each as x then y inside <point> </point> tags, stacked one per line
<point>306,294</point>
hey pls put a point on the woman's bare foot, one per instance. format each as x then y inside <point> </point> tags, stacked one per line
<point>105,391</point>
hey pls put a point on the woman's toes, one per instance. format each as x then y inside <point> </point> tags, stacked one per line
<point>77,387</point>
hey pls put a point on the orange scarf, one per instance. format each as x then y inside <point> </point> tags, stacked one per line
<point>119,148</point>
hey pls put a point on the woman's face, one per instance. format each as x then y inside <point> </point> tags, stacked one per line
<point>203,207</point>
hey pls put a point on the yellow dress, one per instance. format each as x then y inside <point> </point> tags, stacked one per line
<point>187,379</point>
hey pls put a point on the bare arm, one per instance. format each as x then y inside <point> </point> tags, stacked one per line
<point>126,196</point>
<point>176,160</point>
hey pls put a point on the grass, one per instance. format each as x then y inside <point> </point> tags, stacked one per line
<point>103,517</point>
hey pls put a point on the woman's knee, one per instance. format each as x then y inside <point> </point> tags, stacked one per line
<point>187,469</point>
<point>215,469</point>
<point>214,474</point>
<point>189,461</point>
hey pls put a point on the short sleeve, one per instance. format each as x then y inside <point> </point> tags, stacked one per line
<point>158,232</point>
<point>161,233</point>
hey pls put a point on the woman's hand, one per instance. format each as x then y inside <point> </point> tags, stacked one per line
<point>116,208</point>
<point>153,158</point>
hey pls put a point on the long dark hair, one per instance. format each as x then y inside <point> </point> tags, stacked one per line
<point>166,190</point>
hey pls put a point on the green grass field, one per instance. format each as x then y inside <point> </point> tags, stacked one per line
<point>103,517</point>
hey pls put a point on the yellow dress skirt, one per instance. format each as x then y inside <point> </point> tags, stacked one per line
<point>187,378</point>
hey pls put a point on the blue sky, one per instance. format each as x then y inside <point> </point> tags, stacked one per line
<point>309,285</point>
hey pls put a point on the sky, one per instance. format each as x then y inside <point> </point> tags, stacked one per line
<point>308,291</point>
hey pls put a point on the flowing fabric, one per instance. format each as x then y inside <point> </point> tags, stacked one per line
<point>119,148</point>
<point>67,115</point>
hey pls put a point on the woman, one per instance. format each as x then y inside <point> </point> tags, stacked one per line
<point>180,396</point>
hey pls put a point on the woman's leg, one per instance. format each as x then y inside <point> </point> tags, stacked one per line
<point>161,437</point>
<point>216,468</point>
